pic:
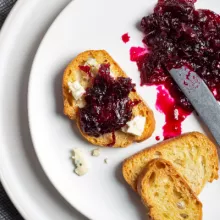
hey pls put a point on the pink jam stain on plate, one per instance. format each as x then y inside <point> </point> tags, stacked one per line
<point>137,52</point>
<point>189,37</point>
<point>169,106</point>
<point>174,116</point>
<point>125,38</point>
<point>157,138</point>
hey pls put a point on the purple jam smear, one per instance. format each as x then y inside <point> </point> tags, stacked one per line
<point>108,107</point>
<point>125,38</point>
<point>177,34</point>
<point>157,138</point>
<point>113,140</point>
<point>137,52</point>
<point>86,69</point>
<point>167,105</point>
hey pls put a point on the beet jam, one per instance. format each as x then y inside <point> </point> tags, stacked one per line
<point>108,107</point>
<point>137,52</point>
<point>176,34</point>
<point>174,116</point>
<point>86,69</point>
<point>125,38</point>
<point>157,138</point>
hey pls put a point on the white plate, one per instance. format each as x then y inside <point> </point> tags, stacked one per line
<point>21,173</point>
<point>83,25</point>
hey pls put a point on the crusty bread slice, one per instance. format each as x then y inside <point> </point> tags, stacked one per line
<point>167,194</point>
<point>71,108</point>
<point>192,154</point>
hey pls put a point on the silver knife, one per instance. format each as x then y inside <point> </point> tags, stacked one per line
<point>200,97</point>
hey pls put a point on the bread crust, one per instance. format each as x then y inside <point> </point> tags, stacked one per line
<point>71,109</point>
<point>173,186</point>
<point>173,150</point>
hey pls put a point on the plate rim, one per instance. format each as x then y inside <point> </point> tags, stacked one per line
<point>11,16</point>
<point>74,204</point>
<point>29,101</point>
<point>17,14</point>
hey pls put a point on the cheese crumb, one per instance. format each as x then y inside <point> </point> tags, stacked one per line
<point>112,69</point>
<point>176,114</point>
<point>76,89</point>
<point>79,161</point>
<point>135,126</point>
<point>96,152</point>
<point>112,73</point>
<point>92,62</point>
<point>95,66</point>
<point>81,103</point>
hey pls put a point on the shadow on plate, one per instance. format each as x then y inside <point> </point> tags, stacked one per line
<point>147,12</point>
<point>58,94</point>
<point>132,196</point>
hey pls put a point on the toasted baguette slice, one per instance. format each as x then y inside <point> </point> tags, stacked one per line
<point>192,154</point>
<point>71,108</point>
<point>167,194</point>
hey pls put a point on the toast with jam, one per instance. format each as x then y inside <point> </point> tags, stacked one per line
<point>99,96</point>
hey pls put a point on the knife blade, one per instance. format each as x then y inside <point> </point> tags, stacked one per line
<point>200,97</point>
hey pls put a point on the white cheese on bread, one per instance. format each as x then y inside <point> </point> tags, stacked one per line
<point>76,89</point>
<point>135,126</point>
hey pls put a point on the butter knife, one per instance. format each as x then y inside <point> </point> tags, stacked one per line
<point>200,97</point>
